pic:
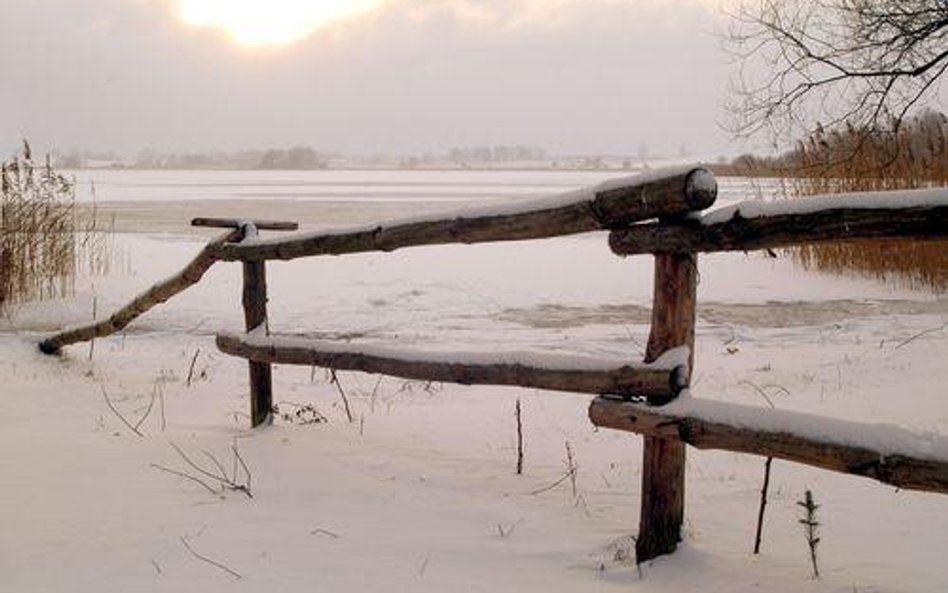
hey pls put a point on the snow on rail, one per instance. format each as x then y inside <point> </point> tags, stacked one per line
<point>877,200</point>
<point>558,372</point>
<point>612,204</point>
<point>750,225</point>
<point>886,452</point>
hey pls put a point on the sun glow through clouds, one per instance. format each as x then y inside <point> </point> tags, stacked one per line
<point>257,23</point>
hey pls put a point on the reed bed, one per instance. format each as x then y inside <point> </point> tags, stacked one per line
<point>911,155</point>
<point>44,241</point>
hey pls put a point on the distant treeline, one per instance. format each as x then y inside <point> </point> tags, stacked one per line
<point>294,158</point>
<point>297,157</point>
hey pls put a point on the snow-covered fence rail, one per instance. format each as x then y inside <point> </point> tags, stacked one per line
<point>753,225</point>
<point>663,378</point>
<point>887,453</point>
<point>610,205</point>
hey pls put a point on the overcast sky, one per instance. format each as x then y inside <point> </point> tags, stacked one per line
<point>574,76</point>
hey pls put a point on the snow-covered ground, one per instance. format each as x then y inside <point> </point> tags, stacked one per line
<point>420,491</point>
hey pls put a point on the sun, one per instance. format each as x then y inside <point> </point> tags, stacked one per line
<point>259,23</point>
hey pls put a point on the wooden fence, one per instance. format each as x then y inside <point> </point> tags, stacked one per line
<point>653,214</point>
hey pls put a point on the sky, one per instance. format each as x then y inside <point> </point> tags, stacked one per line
<point>365,76</point>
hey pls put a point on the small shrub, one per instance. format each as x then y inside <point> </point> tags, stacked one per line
<point>811,529</point>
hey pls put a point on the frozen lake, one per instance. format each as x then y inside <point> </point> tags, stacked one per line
<point>165,201</point>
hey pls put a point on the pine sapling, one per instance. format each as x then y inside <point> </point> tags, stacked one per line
<point>810,527</point>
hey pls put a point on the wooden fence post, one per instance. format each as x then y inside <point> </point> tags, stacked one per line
<point>663,469</point>
<point>255,314</point>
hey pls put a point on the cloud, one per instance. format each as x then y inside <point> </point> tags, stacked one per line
<point>511,15</point>
<point>271,22</point>
<point>598,75</point>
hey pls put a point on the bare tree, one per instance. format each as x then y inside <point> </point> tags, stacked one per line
<point>864,62</point>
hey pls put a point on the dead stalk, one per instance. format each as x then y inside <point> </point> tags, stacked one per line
<point>191,368</point>
<point>95,306</point>
<point>210,561</point>
<point>133,428</point>
<point>519,439</point>
<point>224,482</point>
<point>763,505</point>
<point>334,379</point>
<point>571,470</point>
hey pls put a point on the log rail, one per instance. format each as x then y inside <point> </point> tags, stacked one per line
<point>831,444</point>
<point>663,379</point>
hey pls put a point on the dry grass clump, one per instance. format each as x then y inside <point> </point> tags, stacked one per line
<point>43,240</point>
<point>912,155</point>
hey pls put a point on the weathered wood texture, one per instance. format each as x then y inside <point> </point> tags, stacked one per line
<point>663,465</point>
<point>236,223</point>
<point>782,230</point>
<point>255,315</point>
<point>641,381</point>
<point>157,294</point>
<point>606,209</point>
<point>903,471</point>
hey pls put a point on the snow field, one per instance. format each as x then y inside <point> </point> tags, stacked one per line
<point>420,493</point>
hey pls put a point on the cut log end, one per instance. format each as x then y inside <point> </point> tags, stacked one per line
<point>701,189</point>
<point>49,347</point>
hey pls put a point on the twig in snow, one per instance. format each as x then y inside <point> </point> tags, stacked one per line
<point>760,391</point>
<point>224,481</point>
<point>763,505</point>
<point>151,404</point>
<point>210,561</point>
<point>186,476</point>
<point>424,567</point>
<point>342,392</point>
<point>191,368</point>
<point>559,481</point>
<point>161,404</point>
<point>246,469</point>
<point>195,466</point>
<point>571,468</point>
<point>326,532</point>
<point>124,420</point>
<point>920,334</point>
<point>519,439</point>
<point>767,463</point>
<point>375,392</point>
<point>217,464</point>
<point>95,301</point>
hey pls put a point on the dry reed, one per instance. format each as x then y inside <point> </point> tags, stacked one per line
<point>912,155</point>
<point>43,239</point>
